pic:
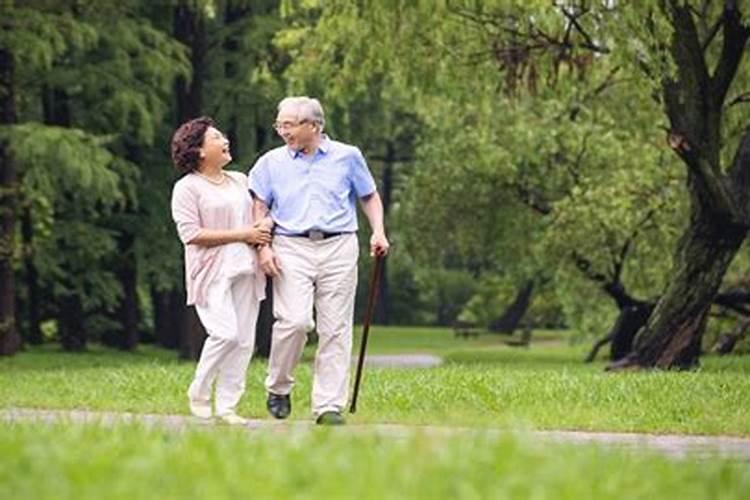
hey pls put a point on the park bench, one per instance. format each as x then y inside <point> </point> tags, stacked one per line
<point>465,329</point>
<point>523,341</point>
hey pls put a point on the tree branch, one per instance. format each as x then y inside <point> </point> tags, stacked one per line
<point>588,41</point>
<point>712,34</point>
<point>721,197</point>
<point>533,199</point>
<point>620,260</point>
<point>739,174</point>
<point>613,288</point>
<point>732,50</point>
<point>740,99</point>
<point>735,299</point>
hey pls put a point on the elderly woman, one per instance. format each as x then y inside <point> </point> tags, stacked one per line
<point>213,213</point>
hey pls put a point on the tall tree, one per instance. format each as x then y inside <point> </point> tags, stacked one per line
<point>102,88</point>
<point>583,61</point>
<point>696,96</point>
<point>9,336</point>
<point>244,77</point>
<point>30,39</point>
<point>190,29</point>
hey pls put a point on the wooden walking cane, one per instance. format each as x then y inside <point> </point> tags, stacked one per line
<point>371,296</point>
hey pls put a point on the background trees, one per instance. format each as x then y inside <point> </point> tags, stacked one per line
<point>525,152</point>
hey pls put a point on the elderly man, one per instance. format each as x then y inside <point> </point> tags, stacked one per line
<point>311,186</point>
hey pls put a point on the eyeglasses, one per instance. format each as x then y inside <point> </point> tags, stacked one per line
<point>288,125</point>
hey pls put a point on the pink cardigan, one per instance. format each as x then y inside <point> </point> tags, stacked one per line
<point>198,204</point>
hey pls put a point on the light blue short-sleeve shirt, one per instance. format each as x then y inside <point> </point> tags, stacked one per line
<point>317,193</point>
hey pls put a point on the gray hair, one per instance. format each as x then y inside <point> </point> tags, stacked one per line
<point>306,108</point>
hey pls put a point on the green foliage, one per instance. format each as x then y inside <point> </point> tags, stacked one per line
<point>55,160</point>
<point>106,86</point>
<point>129,77</point>
<point>519,163</point>
<point>41,33</point>
<point>445,292</point>
<point>508,155</point>
<point>243,76</point>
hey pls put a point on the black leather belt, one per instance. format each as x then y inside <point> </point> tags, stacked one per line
<point>315,235</point>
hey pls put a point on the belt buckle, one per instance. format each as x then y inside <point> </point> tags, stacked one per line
<point>316,235</point>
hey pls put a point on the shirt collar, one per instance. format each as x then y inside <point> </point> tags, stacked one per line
<point>324,147</point>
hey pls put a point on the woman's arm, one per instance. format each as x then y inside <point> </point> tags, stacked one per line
<point>252,235</point>
<point>187,218</point>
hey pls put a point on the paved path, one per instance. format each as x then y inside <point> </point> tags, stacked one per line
<point>677,446</point>
<point>401,360</point>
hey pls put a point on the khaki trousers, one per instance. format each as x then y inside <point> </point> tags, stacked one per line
<point>320,274</point>
<point>229,318</point>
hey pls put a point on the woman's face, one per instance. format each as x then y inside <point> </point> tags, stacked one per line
<point>215,149</point>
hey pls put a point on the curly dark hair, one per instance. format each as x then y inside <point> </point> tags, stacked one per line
<point>187,142</point>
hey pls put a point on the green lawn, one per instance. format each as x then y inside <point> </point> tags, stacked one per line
<point>482,383</point>
<point>440,341</point>
<point>131,462</point>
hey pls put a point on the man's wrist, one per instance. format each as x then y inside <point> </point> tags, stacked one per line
<point>261,246</point>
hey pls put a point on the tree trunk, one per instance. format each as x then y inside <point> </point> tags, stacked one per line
<point>70,324</point>
<point>194,336</point>
<point>10,341</point>
<point>726,342</point>
<point>190,29</point>
<point>672,336</point>
<point>382,305</point>
<point>233,12</point>
<point>694,98</point>
<point>33,306</point>
<point>264,328</point>
<point>508,322</point>
<point>633,316</point>
<point>167,317</point>
<point>632,319</point>
<point>127,311</point>
<point>70,313</point>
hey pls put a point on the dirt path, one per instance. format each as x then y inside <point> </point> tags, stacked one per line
<point>677,446</point>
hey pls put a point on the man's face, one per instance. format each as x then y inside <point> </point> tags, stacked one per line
<point>298,134</point>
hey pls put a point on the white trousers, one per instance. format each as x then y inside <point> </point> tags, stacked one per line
<point>322,274</point>
<point>229,318</point>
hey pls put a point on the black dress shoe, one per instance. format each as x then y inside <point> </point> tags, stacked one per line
<point>280,406</point>
<point>330,418</point>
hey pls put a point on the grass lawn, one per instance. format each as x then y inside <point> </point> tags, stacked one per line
<point>482,383</point>
<point>439,341</point>
<point>126,462</point>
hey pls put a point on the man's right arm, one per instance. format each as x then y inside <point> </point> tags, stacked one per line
<point>260,209</point>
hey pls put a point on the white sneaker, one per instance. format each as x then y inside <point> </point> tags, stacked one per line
<point>201,409</point>
<point>232,419</point>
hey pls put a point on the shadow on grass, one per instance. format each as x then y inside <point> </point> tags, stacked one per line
<point>51,357</point>
<point>571,358</point>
